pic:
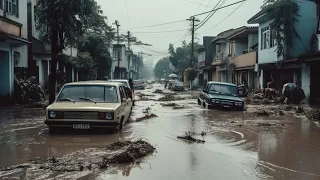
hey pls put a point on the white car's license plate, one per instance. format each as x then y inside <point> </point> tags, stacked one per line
<point>81,126</point>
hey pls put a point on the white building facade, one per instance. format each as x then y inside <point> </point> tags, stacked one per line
<point>13,42</point>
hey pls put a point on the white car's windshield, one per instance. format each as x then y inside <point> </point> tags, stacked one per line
<point>94,93</point>
<point>122,82</point>
<point>223,89</point>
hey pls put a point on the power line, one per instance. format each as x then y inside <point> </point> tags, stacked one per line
<point>209,16</point>
<point>219,8</point>
<point>125,1</point>
<point>160,53</point>
<point>199,6</point>
<point>228,15</point>
<point>179,30</point>
<point>197,3</point>
<point>209,3</point>
<point>172,22</point>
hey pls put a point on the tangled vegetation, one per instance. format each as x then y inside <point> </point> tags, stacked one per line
<point>284,14</point>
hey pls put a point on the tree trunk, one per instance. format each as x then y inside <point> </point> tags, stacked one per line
<point>54,59</point>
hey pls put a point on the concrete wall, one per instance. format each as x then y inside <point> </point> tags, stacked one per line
<point>201,58</point>
<point>252,40</point>
<point>305,27</point>
<point>240,46</point>
<point>267,55</point>
<point>23,20</point>
<point>43,74</point>
<point>70,51</point>
<point>245,60</point>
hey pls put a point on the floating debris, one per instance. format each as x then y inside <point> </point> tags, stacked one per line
<point>299,110</point>
<point>188,137</point>
<point>261,112</point>
<point>167,97</point>
<point>157,91</point>
<point>313,114</point>
<point>179,107</point>
<point>169,104</point>
<point>100,158</point>
<point>146,116</point>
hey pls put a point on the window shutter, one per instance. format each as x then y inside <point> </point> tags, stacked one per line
<point>17,6</point>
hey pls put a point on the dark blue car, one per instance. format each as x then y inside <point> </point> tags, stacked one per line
<point>220,95</point>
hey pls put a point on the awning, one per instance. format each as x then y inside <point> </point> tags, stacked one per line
<point>310,57</point>
<point>13,40</point>
<point>288,63</point>
<point>243,68</point>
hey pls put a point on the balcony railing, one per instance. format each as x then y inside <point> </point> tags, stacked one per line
<point>245,60</point>
<point>202,64</point>
<point>220,57</point>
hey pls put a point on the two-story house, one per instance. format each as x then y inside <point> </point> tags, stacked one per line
<point>311,61</point>
<point>222,57</point>
<point>13,42</point>
<point>243,44</point>
<point>120,62</point>
<point>41,55</point>
<point>285,68</point>
<point>204,56</point>
<point>132,67</point>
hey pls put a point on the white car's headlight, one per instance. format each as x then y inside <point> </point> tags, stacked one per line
<point>52,114</point>
<point>215,101</point>
<point>108,116</point>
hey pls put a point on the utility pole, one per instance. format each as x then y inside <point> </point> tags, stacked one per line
<point>140,59</point>
<point>119,49</point>
<point>129,55</point>
<point>192,19</point>
<point>118,25</point>
<point>128,40</point>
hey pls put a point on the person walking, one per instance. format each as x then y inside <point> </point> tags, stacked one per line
<point>131,85</point>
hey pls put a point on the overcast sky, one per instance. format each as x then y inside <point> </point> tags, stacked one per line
<point>138,13</point>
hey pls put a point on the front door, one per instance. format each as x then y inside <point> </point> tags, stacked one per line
<point>5,73</point>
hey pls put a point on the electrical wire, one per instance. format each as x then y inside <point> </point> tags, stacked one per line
<point>161,31</point>
<point>218,8</point>
<point>155,25</point>
<point>199,7</point>
<point>125,1</point>
<point>197,3</point>
<point>227,16</point>
<point>210,15</point>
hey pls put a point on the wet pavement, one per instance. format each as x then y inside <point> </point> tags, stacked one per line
<point>237,145</point>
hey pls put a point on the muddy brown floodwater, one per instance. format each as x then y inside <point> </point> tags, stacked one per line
<point>236,145</point>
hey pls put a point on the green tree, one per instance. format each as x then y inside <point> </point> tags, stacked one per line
<point>180,57</point>
<point>98,47</point>
<point>161,66</point>
<point>62,23</point>
<point>86,66</point>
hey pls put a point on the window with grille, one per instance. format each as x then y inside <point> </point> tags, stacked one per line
<point>10,6</point>
<point>115,54</point>
<point>268,36</point>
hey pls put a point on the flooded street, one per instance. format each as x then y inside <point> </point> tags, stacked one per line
<point>237,145</point>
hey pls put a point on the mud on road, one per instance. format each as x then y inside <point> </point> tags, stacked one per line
<point>237,145</point>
